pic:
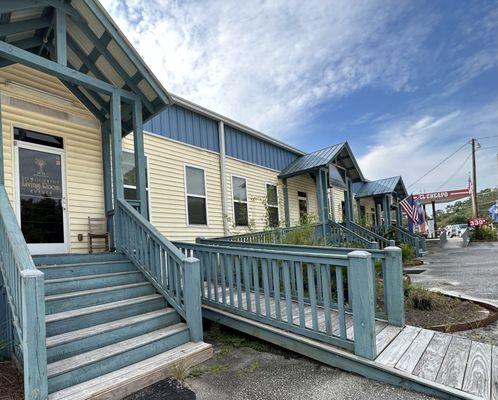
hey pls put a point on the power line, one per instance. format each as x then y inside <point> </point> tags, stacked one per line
<point>438,164</point>
<point>487,137</point>
<point>488,147</point>
<point>455,173</point>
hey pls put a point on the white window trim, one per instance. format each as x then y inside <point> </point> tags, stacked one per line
<point>272,205</point>
<point>147,181</point>
<point>302,198</point>
<point>185,166</point>
<point>239,201</point>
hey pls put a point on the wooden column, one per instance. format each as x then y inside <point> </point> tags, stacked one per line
<point>286,203</point>
<point>108,198</point>
<point>433,215</point>
<point>319,200</point>
<point>387,211</point>
<point>399,216</point>
<point>138,139</point>
<point>348,201</point>
<point>362,282</point>
<point>393,281</point>
<point>193,307</point>
<point>117,151</point>
<point>60,37</point>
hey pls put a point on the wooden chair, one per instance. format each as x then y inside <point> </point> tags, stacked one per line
<point>97,229</point>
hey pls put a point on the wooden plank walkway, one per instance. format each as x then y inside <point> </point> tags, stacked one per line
<point>431,358</point>
<point>446,359</point>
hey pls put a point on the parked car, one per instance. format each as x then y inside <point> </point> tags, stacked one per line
<point>456,230</point>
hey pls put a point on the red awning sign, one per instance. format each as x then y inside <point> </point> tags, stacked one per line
<point>442,197</point>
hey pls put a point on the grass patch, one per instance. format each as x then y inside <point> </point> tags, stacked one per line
<point>211,369</point>
<point>425,308</point>
<point>11,382</point>
<point>229,337</point>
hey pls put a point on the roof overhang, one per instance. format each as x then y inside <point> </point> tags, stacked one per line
<point>339,154</point>
<point>94,46</point>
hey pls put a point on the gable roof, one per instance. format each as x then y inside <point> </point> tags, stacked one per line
<point>339,154</point>
<point>380,187</point>
<point>95,47</point>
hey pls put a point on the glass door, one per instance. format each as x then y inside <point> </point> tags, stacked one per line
<point>41,198</point>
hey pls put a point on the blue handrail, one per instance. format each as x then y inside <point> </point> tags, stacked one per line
<point>24,289</point>
<point>174,275</point>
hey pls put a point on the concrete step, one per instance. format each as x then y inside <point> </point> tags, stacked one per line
<point>86,282</point>
<point>83,367</point>
<point>69,301</point>
<point>123,382</point>
<point>72,270</point>
<point>83,340</point>
<point>85,317</point>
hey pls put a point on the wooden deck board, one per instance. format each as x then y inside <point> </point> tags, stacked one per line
<point>391,355</point>
<point>454,363</point>
<point>430,362</point>
<point>478,372</point>
<point>412,355</point>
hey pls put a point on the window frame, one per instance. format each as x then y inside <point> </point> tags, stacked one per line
<point>299,198</point>
<point>205,197</point>
<point>239,201</point>
<point>147,180</point>
<point>277,206</point>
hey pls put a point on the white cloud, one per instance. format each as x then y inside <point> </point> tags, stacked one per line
<point>268,64</point>
<point>412,146</point>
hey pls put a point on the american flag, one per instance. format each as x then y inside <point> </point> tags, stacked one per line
<point>410,208</point>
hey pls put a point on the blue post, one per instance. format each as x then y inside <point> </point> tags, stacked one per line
<point>117,173</point>
<point>362,283</point>
<point>350,200</point>
<point>33,328</point>
<point>399,217</point>
<point>138,138</point>
<point>106,161</point>
<point>192,288</point>
<point>387,213</point>
<point>393,281</point>
<point>286,203</point>
<point>60,36</point>
<point>320,203</point>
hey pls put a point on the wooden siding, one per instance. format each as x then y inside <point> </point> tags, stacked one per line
<point>25,106</point>
<point>166,162</point>
<point>337,197</point>
<point>257,178</point>
<point>301,183</point>
<point>369,204</point>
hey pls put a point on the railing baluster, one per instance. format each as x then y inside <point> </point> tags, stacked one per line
<point>239,282</point>
<point>230,260</point>
<point>247,282</point>
<point>223,279</point>
<point>214,264</point>
<point>312,294</point>
<point>340,302</point>
<point>288,293</point>
<point>325,278</point>
<point>207,264</point>
<point>266,286</point>
<point>255,277</point>
<point>276,288</point>
<point>300,293</point>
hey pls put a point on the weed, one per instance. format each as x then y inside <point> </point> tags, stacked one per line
<point>211,369</point>
<point>180,372</point>
<point>250,369</point>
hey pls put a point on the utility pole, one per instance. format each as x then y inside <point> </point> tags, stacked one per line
<point>475,213</point>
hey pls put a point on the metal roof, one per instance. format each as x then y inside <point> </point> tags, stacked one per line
<point>380,187</point>
<point>95,47</point>
<point>339,154</point>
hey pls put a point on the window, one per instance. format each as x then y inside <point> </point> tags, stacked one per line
<point>195,189</point>
<point>130,178</point>
<point>302,198</point>
<point>272,205</point>
<point>239,193</point>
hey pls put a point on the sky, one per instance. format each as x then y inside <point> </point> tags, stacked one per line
<point>406,83</point>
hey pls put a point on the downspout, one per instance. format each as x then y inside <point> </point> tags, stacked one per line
<point>221,140</point>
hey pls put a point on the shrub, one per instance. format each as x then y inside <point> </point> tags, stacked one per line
<point>421,299</point>
<point>483,233</point>
<point>407,252</point>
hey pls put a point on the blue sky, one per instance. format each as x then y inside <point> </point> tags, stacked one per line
<point>405,82</point>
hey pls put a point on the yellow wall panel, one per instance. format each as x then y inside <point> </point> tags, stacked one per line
<point>302,183</point>
<point>37,101</point>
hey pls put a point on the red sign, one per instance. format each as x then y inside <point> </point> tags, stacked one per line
<point>442,197</point>
<point>477,222</point>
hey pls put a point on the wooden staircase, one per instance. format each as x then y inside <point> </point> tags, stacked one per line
<point>109,333</point>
